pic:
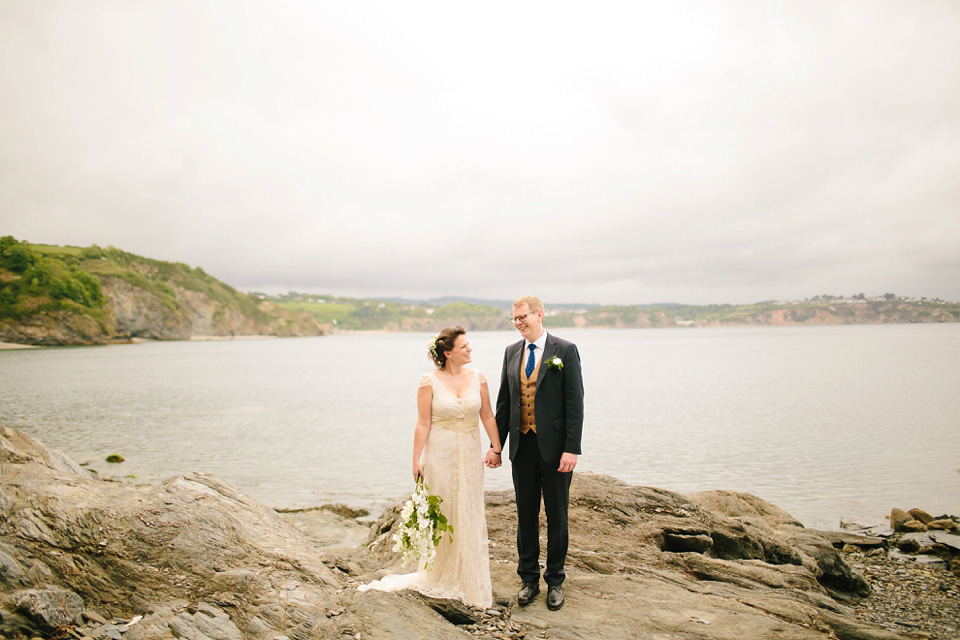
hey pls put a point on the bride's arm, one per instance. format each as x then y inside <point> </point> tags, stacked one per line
<point>424,403</point>
<point>494,457</point>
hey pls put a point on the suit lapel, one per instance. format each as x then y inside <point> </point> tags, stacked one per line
<point>513,365</point>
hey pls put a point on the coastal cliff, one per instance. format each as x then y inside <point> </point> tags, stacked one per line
<point>52,295</point>
<point>193,558</point>
<point>141,314</point>
<point>73,296</point>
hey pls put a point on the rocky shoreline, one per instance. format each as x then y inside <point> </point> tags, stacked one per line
<point>909,597</point>
<point>193,558</point>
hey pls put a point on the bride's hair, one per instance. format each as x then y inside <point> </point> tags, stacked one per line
<point>444,342</point>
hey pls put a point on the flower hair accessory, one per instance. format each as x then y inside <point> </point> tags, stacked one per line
<point>555,363</point>
<point>433,346</point>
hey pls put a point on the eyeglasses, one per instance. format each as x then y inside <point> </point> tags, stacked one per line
<point>516,319</point>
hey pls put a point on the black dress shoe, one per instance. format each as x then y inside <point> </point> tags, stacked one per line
<point>554,597</point>
<point>528,592</point>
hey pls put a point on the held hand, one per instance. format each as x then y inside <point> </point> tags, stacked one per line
<point>492,460</point>
<point>568,461</point>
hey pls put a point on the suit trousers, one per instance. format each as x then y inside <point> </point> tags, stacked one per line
<point>533,478</point>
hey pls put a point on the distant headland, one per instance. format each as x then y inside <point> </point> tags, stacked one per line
<point>52,295</point>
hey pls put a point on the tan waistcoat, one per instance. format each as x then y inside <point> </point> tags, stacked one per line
<point>528,392</point>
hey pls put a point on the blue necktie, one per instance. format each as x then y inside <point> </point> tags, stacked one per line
<point>532,360</point>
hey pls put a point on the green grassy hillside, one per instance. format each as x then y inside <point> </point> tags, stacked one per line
<point>35,279</point>
<point>355,314</point>
<point>43,280</point>
<point>54,286</point>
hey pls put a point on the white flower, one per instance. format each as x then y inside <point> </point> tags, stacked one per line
<point>422,525</point>
<point>555,363</point>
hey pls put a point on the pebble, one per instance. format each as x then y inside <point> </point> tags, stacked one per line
<point>914,598</point>
<point>93,616</point>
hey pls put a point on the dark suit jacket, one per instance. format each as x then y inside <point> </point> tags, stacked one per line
<point>558,405</point>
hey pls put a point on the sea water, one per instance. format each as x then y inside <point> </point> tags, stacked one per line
<point>827,422</point>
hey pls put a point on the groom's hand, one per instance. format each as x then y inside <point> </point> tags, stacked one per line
<point>568,461</point>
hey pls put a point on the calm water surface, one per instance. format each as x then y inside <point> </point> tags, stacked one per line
<point>825,422</point>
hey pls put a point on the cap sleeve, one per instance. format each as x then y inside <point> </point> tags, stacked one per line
<point>425,381</point>
<point>483,378</point>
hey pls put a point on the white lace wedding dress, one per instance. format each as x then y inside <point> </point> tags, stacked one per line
<point>453,469</point>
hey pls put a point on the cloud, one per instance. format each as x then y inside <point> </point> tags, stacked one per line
<point>633,152</point>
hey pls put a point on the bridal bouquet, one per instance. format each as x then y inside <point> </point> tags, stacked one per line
<point>421,526</point>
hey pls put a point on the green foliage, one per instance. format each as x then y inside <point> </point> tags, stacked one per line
<point>33,281</point>
<point>39,278</point>
<point>16,256</point>
<point>456,310</point>
<point>371,314</point>
<point>324,312</point>
<point>358,314</point>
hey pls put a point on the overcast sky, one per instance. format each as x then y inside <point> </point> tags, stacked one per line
<point>608,152</point>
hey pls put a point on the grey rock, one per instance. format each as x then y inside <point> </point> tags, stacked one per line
<point>207,622</point>
<point>841,538</point>
<point>897,518</point>
<point>947,539</point>
<point>766,532</point>
<point>921,515</point>
<point>453,610</point>
<point>386,616</point>
<point>912,525</point>
<point>924,559</point>
<point>908,545</point>
<point>153,627</point>
<point>921,538</point>
<point>847,629</point>
<point>681,542</point>
<point>200,560</point>
<point>51,608</point>
<point>257,628</point>
<point>11,572</point>
<point>93,616</point>
<point>17,448</point>
<point>329,531</point>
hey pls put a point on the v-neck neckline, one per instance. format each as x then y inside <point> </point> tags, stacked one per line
<point>447,389</point>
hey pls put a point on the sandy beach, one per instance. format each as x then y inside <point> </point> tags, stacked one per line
<point>14,345</point>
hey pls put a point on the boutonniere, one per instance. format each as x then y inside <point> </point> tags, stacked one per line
<point>555,363</point>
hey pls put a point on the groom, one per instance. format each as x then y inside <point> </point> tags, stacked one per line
<point>540,406</point>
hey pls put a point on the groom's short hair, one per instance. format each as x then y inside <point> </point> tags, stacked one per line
<point>533,302</point>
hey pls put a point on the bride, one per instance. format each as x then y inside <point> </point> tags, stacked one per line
<point>448,453</point>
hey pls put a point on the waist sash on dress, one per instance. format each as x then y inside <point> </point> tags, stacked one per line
<point>458,425</point>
